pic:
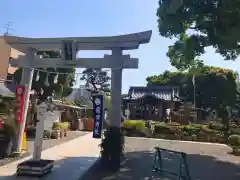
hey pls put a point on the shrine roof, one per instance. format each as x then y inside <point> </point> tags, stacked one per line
<point>166,93</point>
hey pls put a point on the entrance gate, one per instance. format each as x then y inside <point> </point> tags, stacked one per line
<point>68,47</point>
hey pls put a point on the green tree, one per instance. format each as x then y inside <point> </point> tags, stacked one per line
<point>60,89</point>
<point>215,87</point>
<point>197,24</point>
<point>96,80</point>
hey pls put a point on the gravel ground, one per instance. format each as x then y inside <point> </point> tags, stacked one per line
<point>47,143</point>
<point>205,161</point>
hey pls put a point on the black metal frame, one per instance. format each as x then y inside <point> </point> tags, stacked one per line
<point>183,163</point>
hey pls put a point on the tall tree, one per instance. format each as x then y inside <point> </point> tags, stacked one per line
<point>215,87</point>
<point>60,88</point>
<point>197,24</point>
<point>97,80</point>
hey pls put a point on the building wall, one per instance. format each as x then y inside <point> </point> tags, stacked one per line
<point>5,53</point>
<point>4,57</point>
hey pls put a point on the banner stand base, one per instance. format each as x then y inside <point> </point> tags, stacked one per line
<point>37,168</point>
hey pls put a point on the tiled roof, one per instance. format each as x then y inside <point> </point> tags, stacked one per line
<point>158,95</point>
<point>159,92</point>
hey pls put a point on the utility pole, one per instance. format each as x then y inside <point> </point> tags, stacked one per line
<point>194,97</point>
<point>8,28</point>
<point>194,91</point>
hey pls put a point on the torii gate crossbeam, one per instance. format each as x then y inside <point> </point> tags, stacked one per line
<point>69,47</point>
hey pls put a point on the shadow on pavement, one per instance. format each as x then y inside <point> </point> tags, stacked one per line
<point>138,166</point>
<point>64,169</point>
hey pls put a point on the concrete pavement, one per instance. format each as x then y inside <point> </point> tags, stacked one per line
<point>206,161</point>
<point>72,159</point>
<point>47,143</point>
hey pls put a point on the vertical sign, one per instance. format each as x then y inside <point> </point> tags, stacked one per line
<point>97,115</point>
<point>19,103</point>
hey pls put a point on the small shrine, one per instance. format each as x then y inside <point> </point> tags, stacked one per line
<point>150,102</point>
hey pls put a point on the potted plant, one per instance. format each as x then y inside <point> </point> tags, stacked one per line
<point>8,136</point>
<point>56,130</point>
<point>55,134</point>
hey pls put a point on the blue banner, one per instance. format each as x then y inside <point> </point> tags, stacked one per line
<point>97,101</point>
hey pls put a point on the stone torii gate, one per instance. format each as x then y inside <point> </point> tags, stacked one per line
<point>68,47</point>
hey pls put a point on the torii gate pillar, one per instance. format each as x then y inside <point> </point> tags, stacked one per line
<point>116,90</point>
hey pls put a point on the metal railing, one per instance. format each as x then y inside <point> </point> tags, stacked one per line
<point>183,173</point>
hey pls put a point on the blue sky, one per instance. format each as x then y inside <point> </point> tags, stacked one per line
<point>54,18</point>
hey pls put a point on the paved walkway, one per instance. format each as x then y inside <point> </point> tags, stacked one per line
<point>206,161</point>
<point>72,159</point>
<point>47,143</point>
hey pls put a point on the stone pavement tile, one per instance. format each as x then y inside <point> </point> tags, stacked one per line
<point>72,159</point>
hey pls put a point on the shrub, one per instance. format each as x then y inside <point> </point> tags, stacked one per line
<point>10,127</point>
<point>163,128</point>
<point>198,126</point>
<point>112,149</point>
<point>153,123</point>
<point>139,125</point>
<point>216,126</point>
<point>64,125</point>
<point>233,125</point>
<point>234,142</point>
<point>235,131</point>
<point>173,124</point>
<point>56,126</point>
<point>190,130</point>
<point>207,130</point>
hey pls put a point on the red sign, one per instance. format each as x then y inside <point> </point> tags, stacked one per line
<point>19,103</point>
